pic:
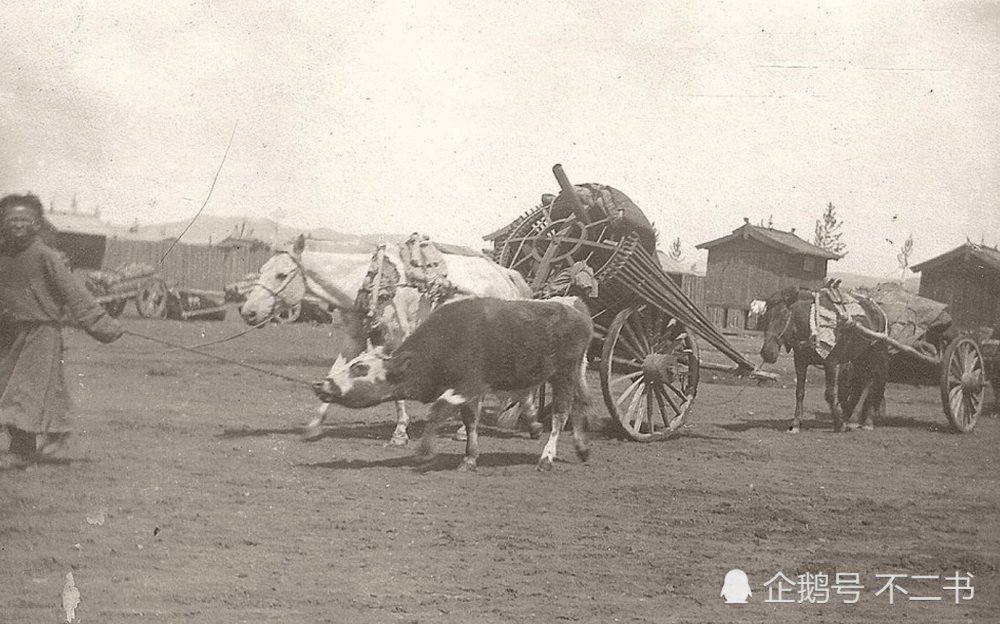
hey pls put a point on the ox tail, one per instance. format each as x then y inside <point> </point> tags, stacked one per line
<point>581,398</point>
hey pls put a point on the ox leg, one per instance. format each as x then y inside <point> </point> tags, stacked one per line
<point>801,370</point>
<point>875,406</point>
<point>830,393</point>
<point>440,410</point>
<point>471,412</point>
<point>862,407</point>
<point>549,452</point>
<point>313,430</point>
<point>529,415</point>
<point>562,402</point>
<point>399,435</point>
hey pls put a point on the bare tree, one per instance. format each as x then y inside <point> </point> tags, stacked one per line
<point>903,257</point>
<point>828,234</point>
<point>675,252</point>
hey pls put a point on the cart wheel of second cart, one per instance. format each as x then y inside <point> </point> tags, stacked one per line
<point>288,315</point>
<point>649,372</point>
<point>151,300</point>
<point>115,307</point>
<point>963,383</point>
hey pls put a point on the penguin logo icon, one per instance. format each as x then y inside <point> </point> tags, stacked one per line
<point>736,587</point>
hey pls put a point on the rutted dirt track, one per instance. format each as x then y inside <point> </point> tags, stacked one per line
<point>187,496</point>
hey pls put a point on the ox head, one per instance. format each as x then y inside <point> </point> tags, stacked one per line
<point>280,288</point>
<point>365,381</point>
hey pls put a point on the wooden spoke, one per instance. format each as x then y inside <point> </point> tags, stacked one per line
<point>638,337</point>
<point>661,404</point>
<point>630,377</point>
<point>632,343</point>
<point>667,398</point>
<point>633,407</point>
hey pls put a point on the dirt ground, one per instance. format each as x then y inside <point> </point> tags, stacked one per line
<point>186,495</point>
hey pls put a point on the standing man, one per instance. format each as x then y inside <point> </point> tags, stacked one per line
<point>38,291</point>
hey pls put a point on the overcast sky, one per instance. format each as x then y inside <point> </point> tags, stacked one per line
<point>446,117</point>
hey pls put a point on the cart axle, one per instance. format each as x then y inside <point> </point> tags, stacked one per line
<point>659,368</point>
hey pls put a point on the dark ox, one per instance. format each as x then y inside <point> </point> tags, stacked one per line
<point>468,348</point>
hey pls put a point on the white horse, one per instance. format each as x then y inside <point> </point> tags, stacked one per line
<point>336,279</point>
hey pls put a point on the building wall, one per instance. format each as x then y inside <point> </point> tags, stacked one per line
<point>187,266</point>
<point>972,293</point>
<point>692,285</point>
<point>741,271</point>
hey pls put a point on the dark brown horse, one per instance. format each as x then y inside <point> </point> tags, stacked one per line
<point>786,322</point>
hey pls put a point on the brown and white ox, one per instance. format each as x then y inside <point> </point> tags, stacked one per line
<point>471,347</point>
<point>336,277</point>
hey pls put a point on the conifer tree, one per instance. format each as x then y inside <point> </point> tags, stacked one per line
<point>828,234</point>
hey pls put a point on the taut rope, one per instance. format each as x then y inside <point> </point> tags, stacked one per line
<point>220,358</point>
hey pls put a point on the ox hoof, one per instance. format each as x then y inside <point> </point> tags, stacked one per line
<point>868,427</point>
<point>583,453</point>
<point>793,429</point>
<point>851,427</point>
<point>545,464</point>
<point>398,440</point>
<point>460,435</point>
<point>467,465</point>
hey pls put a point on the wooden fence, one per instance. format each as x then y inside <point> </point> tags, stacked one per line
<point>187,266</point>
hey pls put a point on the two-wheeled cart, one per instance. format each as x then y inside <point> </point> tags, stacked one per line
<point>133,281</point>
<point>591,240</point>
<point>962,368</point>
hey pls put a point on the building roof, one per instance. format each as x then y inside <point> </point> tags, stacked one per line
<point>672,266</point>
<point>78,223</point>
<point>969,252</point>
<point>235,240</point>
<point>787,242</point>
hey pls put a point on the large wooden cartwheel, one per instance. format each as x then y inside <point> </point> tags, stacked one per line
<point>649,372</point>
<point>539,247</point>
<point>963,383</point>
<point>151,299</point>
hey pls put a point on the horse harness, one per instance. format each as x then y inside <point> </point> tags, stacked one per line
<point>424,270</point>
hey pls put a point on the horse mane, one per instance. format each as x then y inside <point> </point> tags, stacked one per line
<point>788,296</point>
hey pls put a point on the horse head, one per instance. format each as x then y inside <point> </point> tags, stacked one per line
<point>280,287</point>
<point>785,316</point>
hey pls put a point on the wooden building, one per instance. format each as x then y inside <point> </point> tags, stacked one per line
<point>690,282</point>
<point>753,262</point>
<point>82,237</point>
<point>966,278</point>
<point>239,241</point>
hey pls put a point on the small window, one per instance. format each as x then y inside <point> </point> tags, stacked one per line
<point>810,265</point>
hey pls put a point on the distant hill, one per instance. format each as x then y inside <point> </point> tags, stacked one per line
<point>212,229</point>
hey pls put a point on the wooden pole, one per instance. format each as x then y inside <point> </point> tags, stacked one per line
<point>574,200</point>
<point>880,337</point>
<point>733,369</point>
